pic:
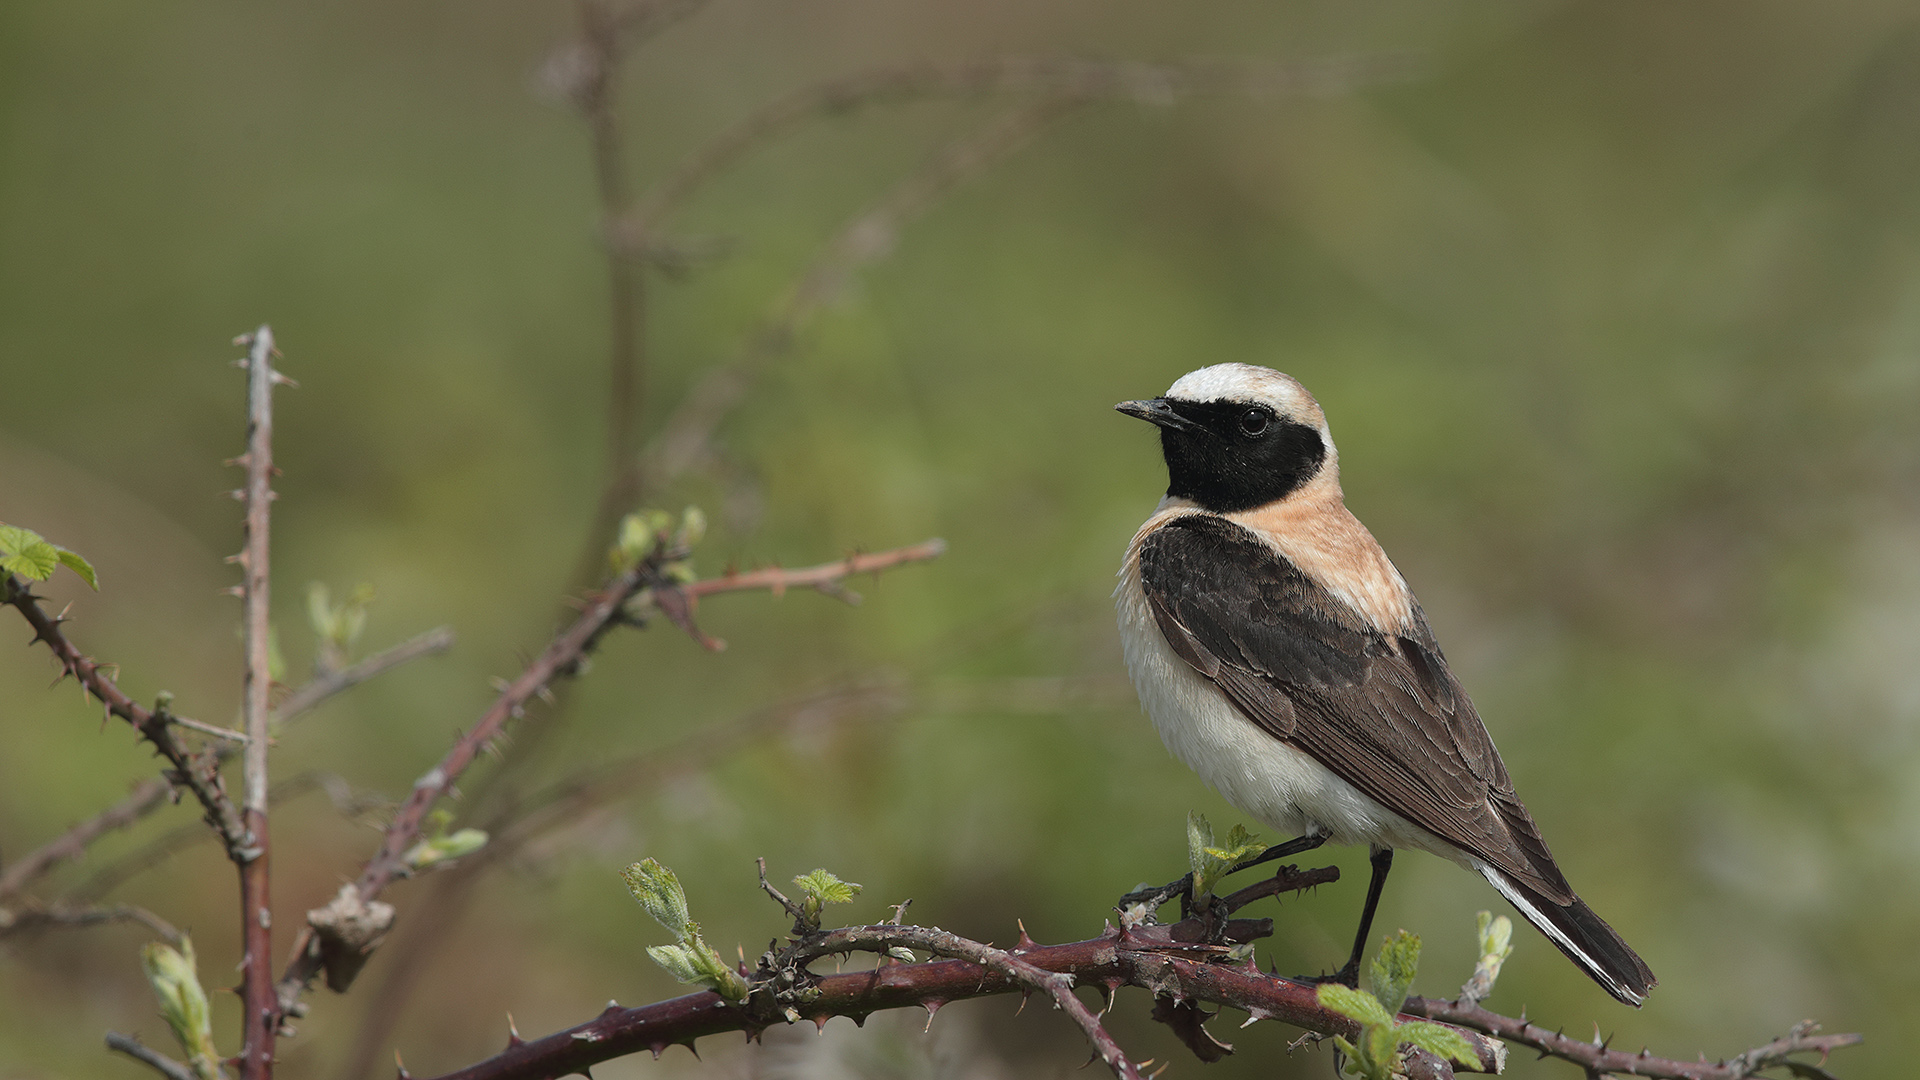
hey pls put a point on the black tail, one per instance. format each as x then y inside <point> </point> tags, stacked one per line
<point>1585,937</point>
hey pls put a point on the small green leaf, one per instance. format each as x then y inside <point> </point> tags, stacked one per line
<point>1356,1005</point>
<point>1210,862</point>
<point>678,962</point>
<point>659,892</point>
<point>444,848</point>
<point>827,888</point>
<point>1439,1040</point>
<point>23,552</point>
<point>697,964</point>
<point>1391,977</point>
<point>73,561</point>
<point>903,954</point>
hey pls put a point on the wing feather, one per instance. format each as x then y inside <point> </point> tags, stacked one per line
<point>1381,710</point>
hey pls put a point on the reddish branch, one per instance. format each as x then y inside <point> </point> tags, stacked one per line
<point>1599,1059</point>
<point>1153,958</point>
<point>1056,985</point>
<point>260,1017</point>
<point>1162,959</point>
<point>562,656</point>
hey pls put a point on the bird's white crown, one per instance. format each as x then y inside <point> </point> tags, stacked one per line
<point>1254,385</point>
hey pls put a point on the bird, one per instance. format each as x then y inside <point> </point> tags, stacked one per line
<point>1283,658</point>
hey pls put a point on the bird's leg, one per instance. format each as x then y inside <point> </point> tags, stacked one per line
<point>1382,860</point>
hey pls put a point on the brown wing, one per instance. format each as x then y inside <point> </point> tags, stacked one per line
<point>1381,711</point>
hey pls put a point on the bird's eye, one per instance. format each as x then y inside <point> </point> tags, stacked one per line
<point>1253,422</point>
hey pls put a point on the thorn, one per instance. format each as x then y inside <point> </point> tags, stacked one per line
<point>932,1006</point>
<point>280,379</point>
<point>513,1034</point>
<point>401,1066</point>
<point>1596,1035</point>
<point>658,1049</point>
<point>238,494</point>
<point>691,1050</point>
<point>820,1023</point>
<point>1025,942</point>
<point>235,590</point>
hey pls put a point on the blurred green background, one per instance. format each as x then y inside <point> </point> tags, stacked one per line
<point>1614,308</point>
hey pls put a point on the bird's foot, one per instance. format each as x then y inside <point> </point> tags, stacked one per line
<point>1141,905</point>
<point>1348,976</point>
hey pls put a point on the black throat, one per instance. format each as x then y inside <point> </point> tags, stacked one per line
<point>1220,466</point>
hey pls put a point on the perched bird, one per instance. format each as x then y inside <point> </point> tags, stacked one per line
<point>1284,659</point>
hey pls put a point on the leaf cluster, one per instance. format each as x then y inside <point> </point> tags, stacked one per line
<point>690,959</point>
<point>648,534</point>
<point>1211,862</point>
<point>1375,1054</point>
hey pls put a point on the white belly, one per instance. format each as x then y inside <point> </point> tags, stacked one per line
<point>1279,786</point>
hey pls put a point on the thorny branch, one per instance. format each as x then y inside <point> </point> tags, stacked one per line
<point>1183,964</point>
<point>260,1017</point>
<point>149,794</point>
<point>163,847</point>
<point>1167,960</point>
<point>562,656</point>
<point>1599,1059</point>
<point>1055,984</point>
<point>198,773</point>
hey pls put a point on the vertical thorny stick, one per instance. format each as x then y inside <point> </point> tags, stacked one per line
<point>260,1020</point>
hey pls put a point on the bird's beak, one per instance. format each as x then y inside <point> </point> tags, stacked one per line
<point>1156,411</point>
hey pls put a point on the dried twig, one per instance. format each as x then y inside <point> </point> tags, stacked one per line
<point>146,1055</point>
<point>164,846</point>
<point>562,656</point>
<point>34,918</point>
<point>324,686</point>
<point>73,843</point>
<point>260,1017</point>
